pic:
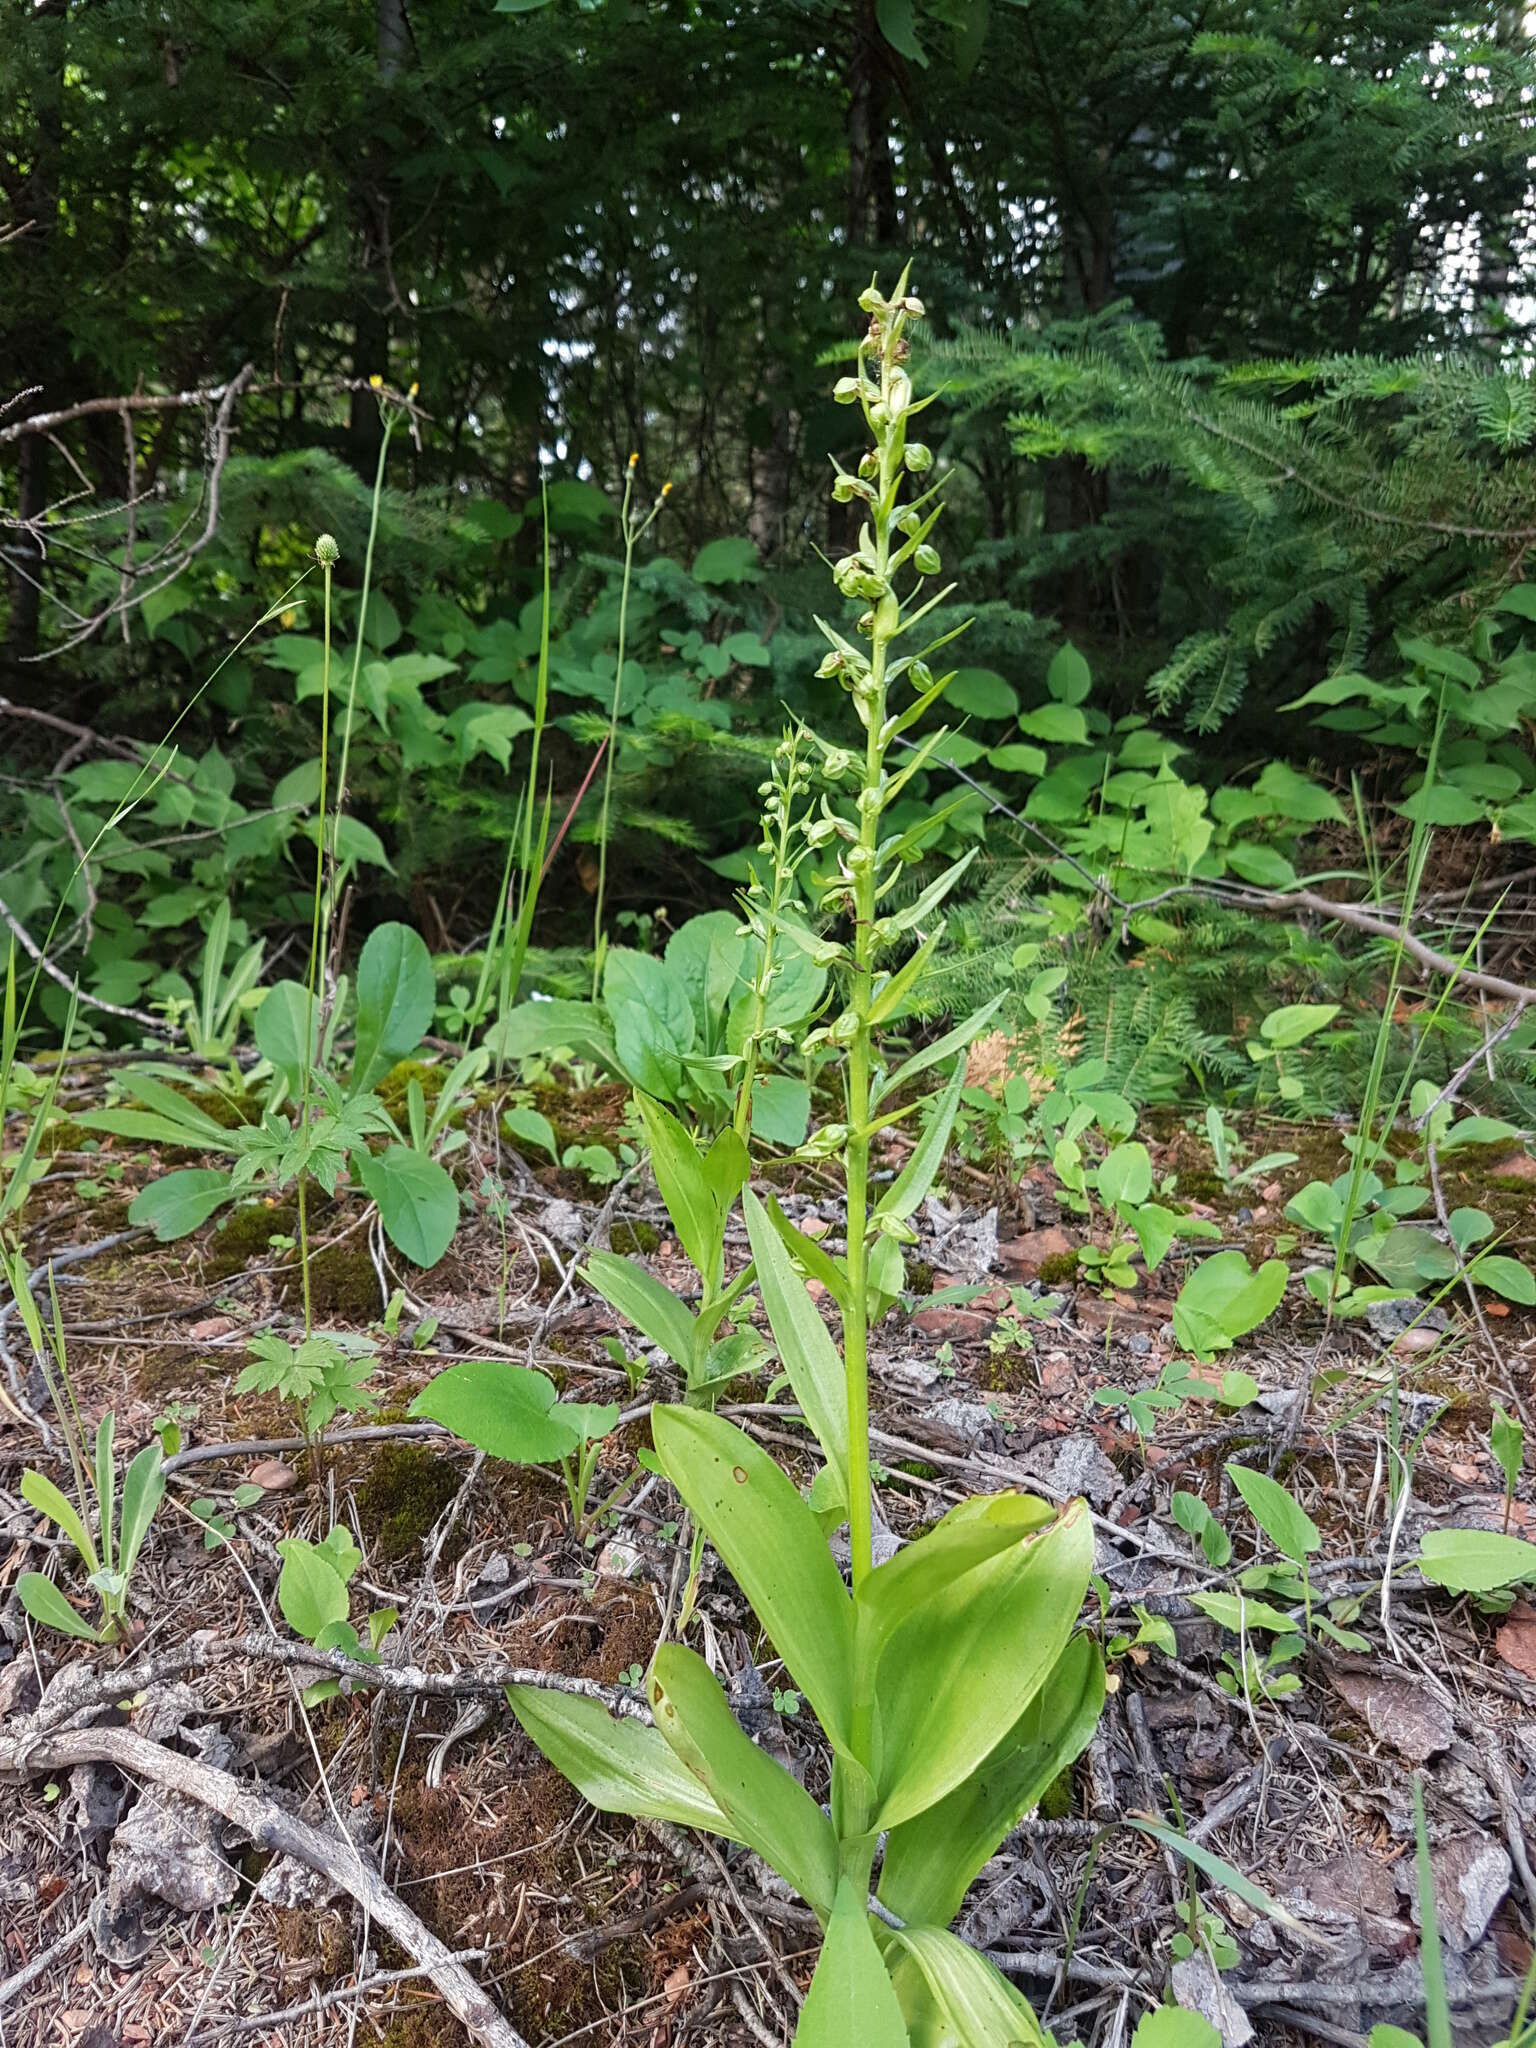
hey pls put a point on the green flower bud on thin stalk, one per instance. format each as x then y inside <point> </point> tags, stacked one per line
<point>789,780</point>
<point>327,554</point>
<point>887,422</point>
<point>635,529</point>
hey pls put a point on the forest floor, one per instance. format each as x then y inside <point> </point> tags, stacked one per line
<point>133,1916</point>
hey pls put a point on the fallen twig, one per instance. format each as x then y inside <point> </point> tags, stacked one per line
<point>80,1688</point>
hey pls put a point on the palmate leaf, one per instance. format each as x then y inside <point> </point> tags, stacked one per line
<point>766,1806</point>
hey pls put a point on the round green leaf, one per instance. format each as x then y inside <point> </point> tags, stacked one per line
<point>982,693</point>
<point>1476,1560</point>
<point>418,1202</point>
<point>177,1203</point>
<point>310,1591</point>
<point>396,991</point>
<point>1068,678</point>
<point>507,1410</point>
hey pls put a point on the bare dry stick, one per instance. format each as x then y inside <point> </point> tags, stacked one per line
<point>269,1827</point>
<point>80,1688</point>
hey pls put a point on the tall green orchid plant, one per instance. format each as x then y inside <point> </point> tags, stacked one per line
<point>948,1681</point>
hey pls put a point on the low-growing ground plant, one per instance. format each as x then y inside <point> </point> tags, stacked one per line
<point>514,1413</point>
<point>320,1112</point>
<point>121,1515</point>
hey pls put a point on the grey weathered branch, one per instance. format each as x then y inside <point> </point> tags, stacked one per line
<point>81,1689</point>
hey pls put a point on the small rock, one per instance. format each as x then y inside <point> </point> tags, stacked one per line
<point>1021,1257</point>
<point>1390,1319</point>
<point>211,1328</point>
<point>1197,1988</point>
<point>492,1580</point>
<point>1472,1874</point>
<point>1139,1342</point>
<point>94,1801</point>
<point>1517,1166</point>
<point>967,1420</point>
<point>1397,1711</point>
<point>883,1543</point>
<point>1121,1313</point>
<point>1279,1402</point>
<point>168,1851</point>
<point>1415,1342</point>
<point>967,1245</point>
<point>952,1325</point>
<point>1351,1887</point>
<point>285,1882</point>
<point>1073,1465</point>
<point>166,1712</point>
<point>1055,1371</point>
<point>565,1223</point>
<point>620,1561</point>
<point>19,1689</point>
<point>273,1476</point>
<point>1516,1640</point>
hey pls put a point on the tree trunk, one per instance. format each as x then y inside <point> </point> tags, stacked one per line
<point>370,326</point>
<point>37,212</point>
<point>871,181</point>
<point>1503,200</point>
